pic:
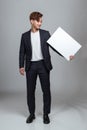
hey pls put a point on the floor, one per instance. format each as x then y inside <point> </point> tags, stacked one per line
<point>65,114</point>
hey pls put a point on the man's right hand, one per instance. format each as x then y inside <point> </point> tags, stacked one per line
<point>21,70</point>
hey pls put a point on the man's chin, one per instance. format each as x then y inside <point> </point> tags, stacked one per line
<point>38,28</point>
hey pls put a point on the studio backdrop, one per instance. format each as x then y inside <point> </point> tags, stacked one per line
<point>67,77</point>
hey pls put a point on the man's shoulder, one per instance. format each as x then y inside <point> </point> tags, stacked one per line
<point>44,31</point>
<point>25,33</point>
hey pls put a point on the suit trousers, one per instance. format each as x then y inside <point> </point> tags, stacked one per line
<point>38,68</point>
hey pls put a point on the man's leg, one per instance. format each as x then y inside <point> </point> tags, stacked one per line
<point>31,77</point>
<point>44,76</point>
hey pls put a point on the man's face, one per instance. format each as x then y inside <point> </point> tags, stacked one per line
<point>36,24</point>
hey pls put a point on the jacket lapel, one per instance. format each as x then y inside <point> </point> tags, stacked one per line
<point>41,38</point>
<point>29,40</point>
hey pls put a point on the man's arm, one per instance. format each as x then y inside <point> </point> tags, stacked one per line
<point>21,56</point>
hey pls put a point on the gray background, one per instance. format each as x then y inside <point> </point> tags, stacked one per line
<point>68,79</point>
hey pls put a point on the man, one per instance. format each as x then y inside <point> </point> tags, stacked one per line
<point>34,52</point>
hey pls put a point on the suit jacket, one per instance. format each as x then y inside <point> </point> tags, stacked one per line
<point>25,51</point>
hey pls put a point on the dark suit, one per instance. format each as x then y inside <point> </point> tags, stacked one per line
<point>41,68</point>
<point>38,68</point>
<point>26,48</point>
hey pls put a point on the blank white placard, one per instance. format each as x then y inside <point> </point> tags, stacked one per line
<point>64,43</point>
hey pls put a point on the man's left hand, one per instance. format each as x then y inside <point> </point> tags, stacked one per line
<point>71,57</point>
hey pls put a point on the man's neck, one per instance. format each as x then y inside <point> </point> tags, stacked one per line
<point>34,30</point>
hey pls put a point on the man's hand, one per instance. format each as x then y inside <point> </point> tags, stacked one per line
<point>21,70</point>
<point>71,57</point>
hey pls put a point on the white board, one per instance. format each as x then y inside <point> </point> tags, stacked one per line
<point>64,43</point>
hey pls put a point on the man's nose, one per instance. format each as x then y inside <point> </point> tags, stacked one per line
<point>39,23</point>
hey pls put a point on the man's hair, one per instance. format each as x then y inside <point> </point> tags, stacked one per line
<point>35,16</point>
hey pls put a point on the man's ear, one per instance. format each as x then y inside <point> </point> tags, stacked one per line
<point>31,21</point>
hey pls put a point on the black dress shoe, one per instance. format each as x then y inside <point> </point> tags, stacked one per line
<point>30,118</point>
<point>46,119</point>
